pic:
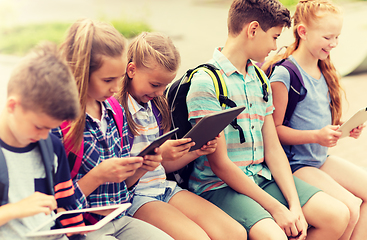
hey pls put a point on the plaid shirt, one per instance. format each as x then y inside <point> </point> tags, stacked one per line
<point>97,148</point>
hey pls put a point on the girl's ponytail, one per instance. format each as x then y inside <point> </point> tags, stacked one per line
<point>77,49</point>
<point>85,44</point>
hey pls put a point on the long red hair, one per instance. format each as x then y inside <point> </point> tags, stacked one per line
<point>308,12</point>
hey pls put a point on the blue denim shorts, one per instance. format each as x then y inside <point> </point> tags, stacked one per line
<point>140,200</point>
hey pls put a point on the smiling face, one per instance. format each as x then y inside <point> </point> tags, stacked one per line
<point>322,37</point>
<point>147,83</point>
<point>106,81</point>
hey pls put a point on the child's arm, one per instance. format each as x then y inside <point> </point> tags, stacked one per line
<point>32,205</point>
<point>278,164</point>
<point>111,170</point>
<point>327,136</point>
<point>234,177</point>
<point>208,148</point>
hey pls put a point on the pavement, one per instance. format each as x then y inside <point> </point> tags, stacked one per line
<point>197,27</point>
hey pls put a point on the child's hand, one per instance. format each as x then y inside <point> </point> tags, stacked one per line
<point>293,224</point>
<point>118,169</point>
<point>34,204</point>
<point>174,149</point>
<point>328,136</point>
<point>356,132</point>
<point>151,162</point>
<point>208,148</point>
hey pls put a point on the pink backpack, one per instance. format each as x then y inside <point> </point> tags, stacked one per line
<point>76,162</point>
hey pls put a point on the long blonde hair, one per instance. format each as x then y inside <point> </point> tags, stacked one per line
<point>308,12</point>
<point>145,50</point>
<point>85,44</point>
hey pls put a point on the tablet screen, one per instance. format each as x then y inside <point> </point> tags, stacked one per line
<point>39,231</point>
<point>211,125</point>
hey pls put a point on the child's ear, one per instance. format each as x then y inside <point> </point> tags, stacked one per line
<point>11,103</point>
<point>252,28</point>
<point>131,69</point>
<point>302,30</point>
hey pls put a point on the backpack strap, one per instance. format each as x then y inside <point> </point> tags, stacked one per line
<point>294,93</point>
<point>221,92</point>
<point>47,152</point>
<point>75,160</point>
<point>264,85</point>
<point>4,180</point>
<point>158,117</point>
<point>118,116</point>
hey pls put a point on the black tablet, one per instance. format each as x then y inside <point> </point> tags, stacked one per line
<point>211,125</point>
<point>156,143</point>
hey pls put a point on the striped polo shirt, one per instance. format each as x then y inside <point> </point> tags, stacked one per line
<point>244,91</point>
<point>153,183</point>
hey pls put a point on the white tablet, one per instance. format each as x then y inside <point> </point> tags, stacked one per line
<point>357,119</point>
<point>119,208</point>
<point>211,125</point>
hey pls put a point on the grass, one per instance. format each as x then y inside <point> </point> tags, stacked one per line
<point>18,40</point>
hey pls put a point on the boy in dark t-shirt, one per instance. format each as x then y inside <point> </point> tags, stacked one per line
<point>41,94</point>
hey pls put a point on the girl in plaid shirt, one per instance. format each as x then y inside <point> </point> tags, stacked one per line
<point>96,53</point>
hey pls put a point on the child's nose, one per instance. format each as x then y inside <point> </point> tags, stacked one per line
<point>160,92</point>
<point>44,133</point>
<point>334,43</point>
<point>115,87</point>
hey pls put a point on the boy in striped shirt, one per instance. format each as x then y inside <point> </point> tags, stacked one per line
<point>252,181</point>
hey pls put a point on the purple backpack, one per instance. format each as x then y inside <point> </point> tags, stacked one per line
<point>296,82</point>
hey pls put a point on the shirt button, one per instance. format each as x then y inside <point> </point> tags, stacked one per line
<point>254,149</point>
<point>112,199</point>
<point>252,127</point>
<point>250,104</point>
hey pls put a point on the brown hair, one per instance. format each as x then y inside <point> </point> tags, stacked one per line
<point>308,12</point>
<point>268,13</point>
<point>145,49</point>
<point>44,82</point>
<point>85,44</point>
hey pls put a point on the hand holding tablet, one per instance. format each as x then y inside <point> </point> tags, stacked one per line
<point>149,150</point>
<point>356,120</point>
<point>119,208</point>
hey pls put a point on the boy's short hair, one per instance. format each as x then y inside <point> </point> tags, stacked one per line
<point>44,83</point>
<point>268,13</point>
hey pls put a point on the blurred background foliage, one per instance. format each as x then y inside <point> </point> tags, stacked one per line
<point>18,39</point>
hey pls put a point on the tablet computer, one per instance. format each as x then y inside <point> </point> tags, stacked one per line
<point>119,208</point>
<point>357,119</point>
<point>211,125</point>
<point>156,143</point>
